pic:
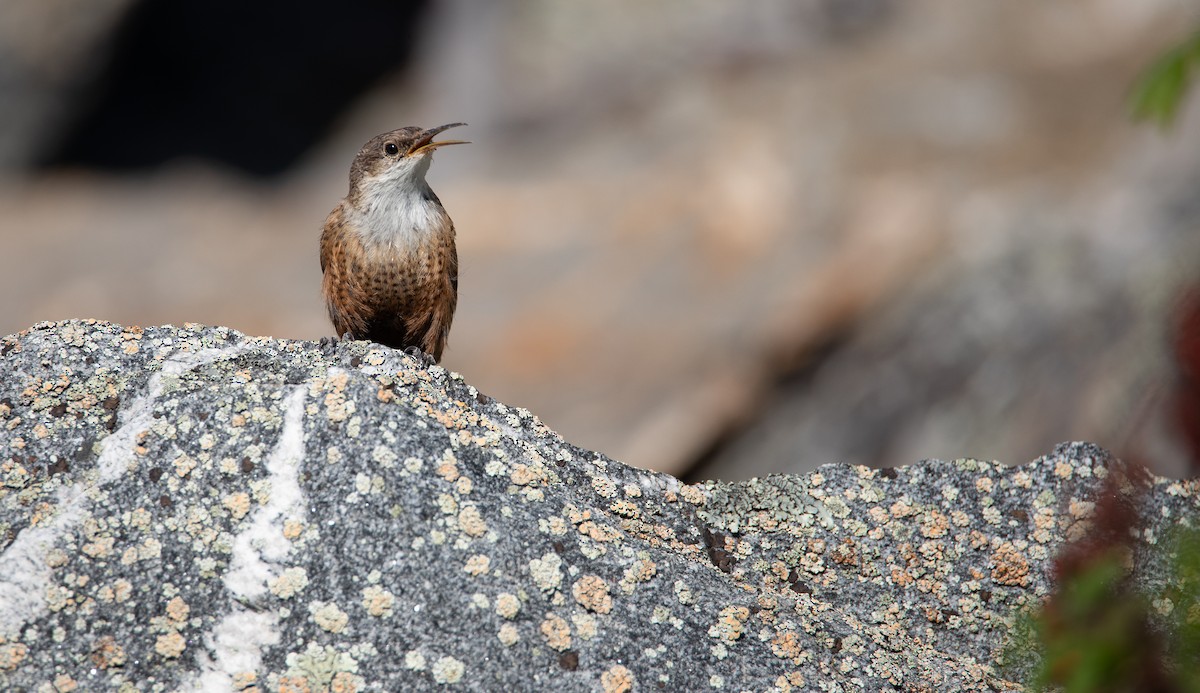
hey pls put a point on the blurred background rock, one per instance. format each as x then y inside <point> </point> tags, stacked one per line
<point>704,237</point>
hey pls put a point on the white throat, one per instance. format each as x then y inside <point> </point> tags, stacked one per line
<point>397,206</point>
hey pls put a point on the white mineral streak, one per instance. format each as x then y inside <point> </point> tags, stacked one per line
<point>24,573</point>
<point>237,641</point>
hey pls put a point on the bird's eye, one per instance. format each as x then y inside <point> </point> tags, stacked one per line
<point>391,148</point>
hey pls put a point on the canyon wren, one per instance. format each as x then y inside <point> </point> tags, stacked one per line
<point>387,251</point>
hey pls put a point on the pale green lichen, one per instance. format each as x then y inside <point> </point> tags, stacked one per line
<point>546,572</point>
<point>448,670</point>
<point>764,503</point>
<point>319,666</point>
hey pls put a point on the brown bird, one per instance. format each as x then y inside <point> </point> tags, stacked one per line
<point>387,252</point>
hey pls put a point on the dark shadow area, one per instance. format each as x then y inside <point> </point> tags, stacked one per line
<point>794,372</point>
<point>249,85</point>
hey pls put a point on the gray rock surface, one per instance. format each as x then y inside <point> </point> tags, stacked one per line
<point>193,509</point>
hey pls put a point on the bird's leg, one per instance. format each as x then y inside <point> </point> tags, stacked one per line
<point>330,343</point>
<point>420,356</point>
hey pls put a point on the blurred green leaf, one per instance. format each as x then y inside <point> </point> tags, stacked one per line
<point>1095,634</point>
<point>1183,591</point>
<point>1161,88</point>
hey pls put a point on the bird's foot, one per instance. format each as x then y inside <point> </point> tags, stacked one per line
<point>327,344</point>
<point>420,356</point>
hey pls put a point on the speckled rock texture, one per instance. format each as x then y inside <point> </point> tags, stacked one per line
<point>193,509</point>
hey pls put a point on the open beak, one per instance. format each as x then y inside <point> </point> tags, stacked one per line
<point>425,142</point>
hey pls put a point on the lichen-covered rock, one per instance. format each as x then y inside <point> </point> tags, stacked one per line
<point>192,509</point>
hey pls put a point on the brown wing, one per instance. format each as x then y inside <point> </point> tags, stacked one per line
<point>445,316</point>
<point>327,236</point>
<point>431,323</point>
<point>344,297</point>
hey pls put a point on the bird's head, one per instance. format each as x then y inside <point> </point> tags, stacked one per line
<point>400,157</point>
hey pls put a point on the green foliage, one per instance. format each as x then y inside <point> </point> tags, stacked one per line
<point>1095,634</point>
<point>1161,88</point>
<point>1088,636</point>
<point>1183,589</point>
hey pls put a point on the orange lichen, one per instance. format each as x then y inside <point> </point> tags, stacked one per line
<point>1010,567</point>
<point>12,655</point>
<point>556,632</point>
<point>787,645</point>
<point>170,645</point>
<point>477,565</point>
<point>731,623</point>
<point>592,593</point>
<point>507,605</point>
<point>471,522</point>
<point>378,601</point>
<point>617,679</point>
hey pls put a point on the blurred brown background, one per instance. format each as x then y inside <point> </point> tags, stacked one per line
<point>725,237</point>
